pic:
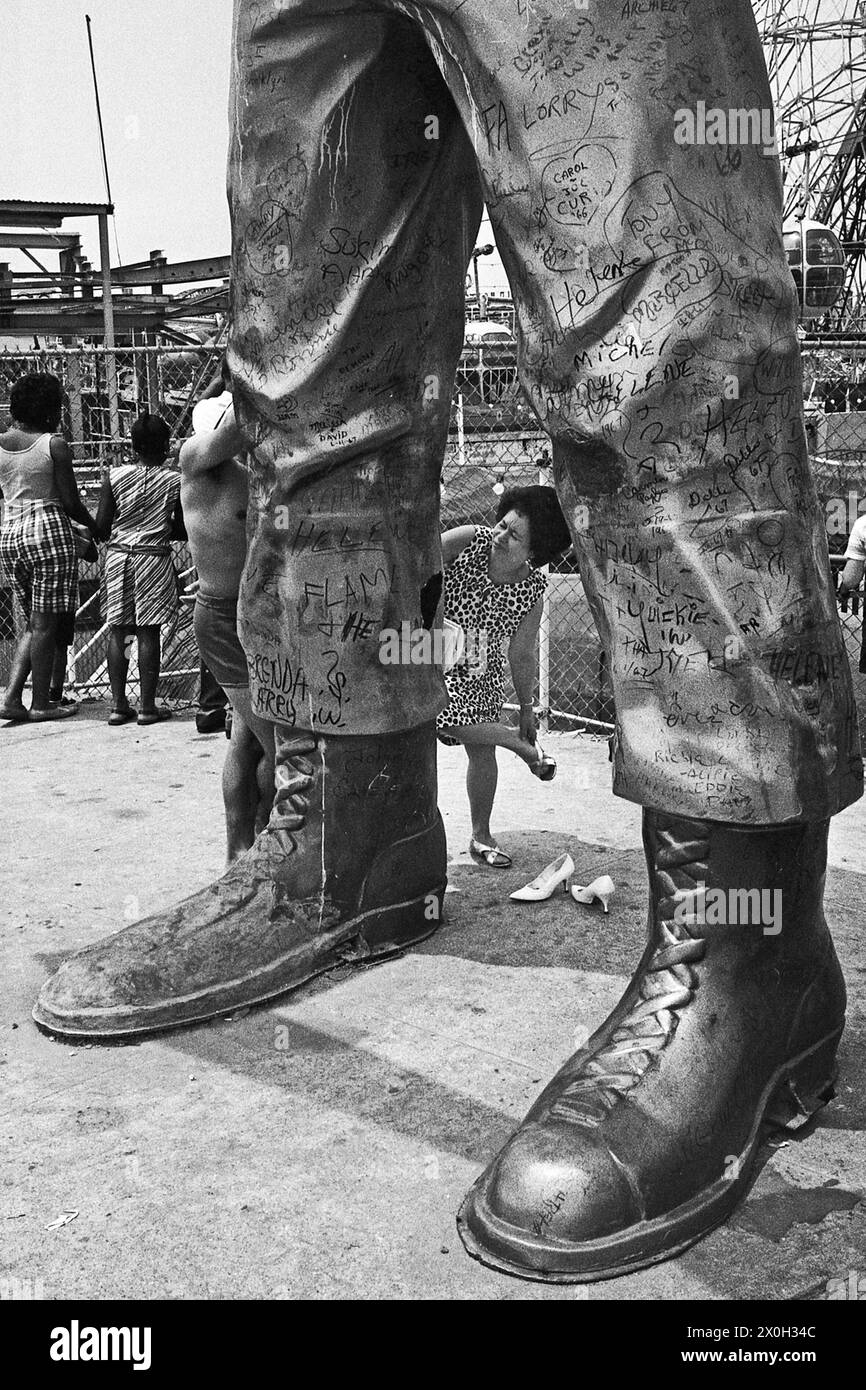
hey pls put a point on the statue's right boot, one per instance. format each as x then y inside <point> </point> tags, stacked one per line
<point>650,1134</point>
<point>351,866</point>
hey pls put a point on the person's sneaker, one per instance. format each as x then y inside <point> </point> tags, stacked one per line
<point>213,721</point>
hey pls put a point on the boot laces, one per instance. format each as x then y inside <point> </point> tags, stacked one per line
<point>293,779</point>
<point>620,1058</point>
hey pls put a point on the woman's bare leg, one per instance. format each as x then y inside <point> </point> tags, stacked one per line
<point>58,672</point>
<point>496,735</point>
<point>148,666</point>
<point>481,778</point>
<point>18,675</point>
<point>42,644</point>
<point>119,644</point>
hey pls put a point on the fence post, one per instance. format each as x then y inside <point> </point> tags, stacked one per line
<point>108,329</point>
<point>544,480</point>
<point>73,387</point>
<point>461,435</point>
<point>150,357</point>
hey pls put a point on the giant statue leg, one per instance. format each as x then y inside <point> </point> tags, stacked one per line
<point>658,347</point>
<point>355,203</point>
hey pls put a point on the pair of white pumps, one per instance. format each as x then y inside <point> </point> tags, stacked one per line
<point>561,871</point>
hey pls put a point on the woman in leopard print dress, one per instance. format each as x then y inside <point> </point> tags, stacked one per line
<point>493,590</point>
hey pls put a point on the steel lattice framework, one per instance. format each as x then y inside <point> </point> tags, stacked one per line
<point>816,56</point>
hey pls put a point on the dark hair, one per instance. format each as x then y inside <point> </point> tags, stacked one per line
<point>549,535</point>
<point>150,436</point>
<point>36,400</point>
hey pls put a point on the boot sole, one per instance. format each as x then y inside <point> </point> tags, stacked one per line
<point>394,927</point>
<point>800,1088</point>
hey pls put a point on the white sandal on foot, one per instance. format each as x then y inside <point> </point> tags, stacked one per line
<point>491,855</point>
<point>544,768</point>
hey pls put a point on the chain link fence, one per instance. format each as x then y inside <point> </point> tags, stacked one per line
<point>494,444</point>
<point>166,381</point>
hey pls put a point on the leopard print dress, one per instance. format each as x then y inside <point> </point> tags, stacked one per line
<point>489,614</point>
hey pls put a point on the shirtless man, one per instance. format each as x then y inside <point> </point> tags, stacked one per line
<point>214,487</point>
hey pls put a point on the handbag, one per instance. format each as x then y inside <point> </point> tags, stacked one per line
<point>453,644</point>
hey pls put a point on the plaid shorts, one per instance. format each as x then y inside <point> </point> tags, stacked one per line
<point>38,553</point>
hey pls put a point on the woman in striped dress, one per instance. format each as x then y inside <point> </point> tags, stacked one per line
<point>139,509</point>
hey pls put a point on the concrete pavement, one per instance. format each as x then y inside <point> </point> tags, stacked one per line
<point>320,1148</point>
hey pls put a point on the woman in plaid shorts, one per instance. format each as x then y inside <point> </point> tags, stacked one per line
<point>37,550</point>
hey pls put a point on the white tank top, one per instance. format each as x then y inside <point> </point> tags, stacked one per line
<point>27,475</point>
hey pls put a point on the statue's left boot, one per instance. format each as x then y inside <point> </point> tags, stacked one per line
<point>351,866</point>
<point>648,1136</point>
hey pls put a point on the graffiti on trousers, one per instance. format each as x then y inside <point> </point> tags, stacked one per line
<point>658,348</point>
<point>285,693</point>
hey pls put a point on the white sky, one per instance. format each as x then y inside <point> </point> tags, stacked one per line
<point>163,69</point>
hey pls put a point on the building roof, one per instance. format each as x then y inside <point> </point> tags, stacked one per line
<point>16,208</point>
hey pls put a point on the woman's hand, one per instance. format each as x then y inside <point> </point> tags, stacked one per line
<point>528,724</point>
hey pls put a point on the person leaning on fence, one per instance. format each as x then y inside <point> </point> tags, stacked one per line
<point>214,713</point>
<point>85,549</point>
<point>493,591</point>
<point>37,547</point>
<point>852,577</point>
<point>855,557</point>
<point>64,636</point>
<point>139,509</point>
<point>215,493</point>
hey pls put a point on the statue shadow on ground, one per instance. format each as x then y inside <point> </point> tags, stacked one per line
<point>334,1068</point>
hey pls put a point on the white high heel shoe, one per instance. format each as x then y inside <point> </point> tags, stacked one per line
<point>547,882</point>
<point>602,888</point>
